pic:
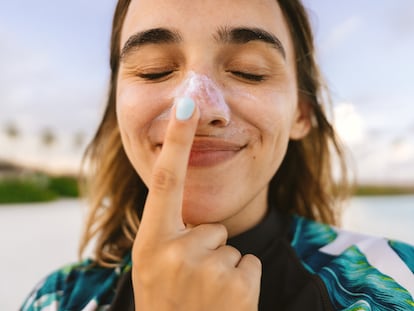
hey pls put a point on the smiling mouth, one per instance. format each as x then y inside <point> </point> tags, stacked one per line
<point>204,155</point>
<point>211,152</point>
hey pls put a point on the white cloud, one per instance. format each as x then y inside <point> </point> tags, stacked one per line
<point>349,123</point>
<point>381,161</point>
<point>402,151</point>
<point>377,157</point>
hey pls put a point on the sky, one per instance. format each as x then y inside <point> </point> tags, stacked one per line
<point>54,74</point>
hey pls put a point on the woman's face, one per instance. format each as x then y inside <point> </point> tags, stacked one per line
<point>235,59</point>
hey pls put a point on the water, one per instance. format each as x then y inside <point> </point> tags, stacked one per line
<point>38,238</point>
<point>388,216</point>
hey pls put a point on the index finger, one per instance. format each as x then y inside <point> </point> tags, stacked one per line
<point>163,207</point>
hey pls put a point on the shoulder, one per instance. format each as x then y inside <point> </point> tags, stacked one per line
<point>359,271</point>
<point>76,287</point>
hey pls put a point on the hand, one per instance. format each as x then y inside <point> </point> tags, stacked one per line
<point>181,268</point>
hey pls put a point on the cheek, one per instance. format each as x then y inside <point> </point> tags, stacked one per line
<point>137,108</point>
<point>130,121</point>
<point>277,121</point>
<point>270,112</point>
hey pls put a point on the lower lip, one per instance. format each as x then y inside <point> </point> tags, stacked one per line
<point>210,157</point>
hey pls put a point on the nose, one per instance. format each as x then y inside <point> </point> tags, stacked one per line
<point>208,96</point>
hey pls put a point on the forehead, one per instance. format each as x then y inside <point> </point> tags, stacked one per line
<point>200,19</point>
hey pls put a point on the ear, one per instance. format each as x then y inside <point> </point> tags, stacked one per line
<point>302,121</point>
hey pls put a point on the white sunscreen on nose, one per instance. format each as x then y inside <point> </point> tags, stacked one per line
<point>206,94</point>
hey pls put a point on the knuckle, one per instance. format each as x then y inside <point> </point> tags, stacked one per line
<point>222,229</point>
<point>254,261</point>
<point>170,263</point>
<point>213,228</point>
<point>174,256</point>
<point>235,252</point>
<point>214,271</point>
<point>163,179</point>
<point>141,268</point>
<point>250,274</point>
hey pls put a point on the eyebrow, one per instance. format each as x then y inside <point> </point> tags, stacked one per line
<point>151,36</point>
<point>242,35</point>
<point>238,35</point>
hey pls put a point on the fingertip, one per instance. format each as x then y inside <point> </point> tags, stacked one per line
<point>254,260</point>
<point>252,264</point>
<point>184,108</point>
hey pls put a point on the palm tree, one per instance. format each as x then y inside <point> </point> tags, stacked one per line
<point>13,134</point>
<point>78,140</point>
<point>48,137</point>
<point>12,131</point>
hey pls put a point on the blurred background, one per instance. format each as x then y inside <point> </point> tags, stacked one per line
<point>53,82</point>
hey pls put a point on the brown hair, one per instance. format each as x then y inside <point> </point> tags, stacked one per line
<point>304,183</point>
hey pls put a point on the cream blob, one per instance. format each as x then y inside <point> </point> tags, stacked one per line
<point>207,96</point>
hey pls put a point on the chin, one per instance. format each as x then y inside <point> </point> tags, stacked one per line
<point>203,210</point>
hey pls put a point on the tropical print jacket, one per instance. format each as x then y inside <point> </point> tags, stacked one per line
<point>359,272</point>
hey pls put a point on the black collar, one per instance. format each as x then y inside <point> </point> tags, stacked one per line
<point>257,239</point>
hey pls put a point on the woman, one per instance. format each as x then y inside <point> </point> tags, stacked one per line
<point>210,170</point>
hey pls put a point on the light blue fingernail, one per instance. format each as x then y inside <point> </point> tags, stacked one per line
<point>184,109</point>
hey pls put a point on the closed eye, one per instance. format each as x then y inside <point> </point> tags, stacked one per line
<point>248,76</point>
<point>153,76</point>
